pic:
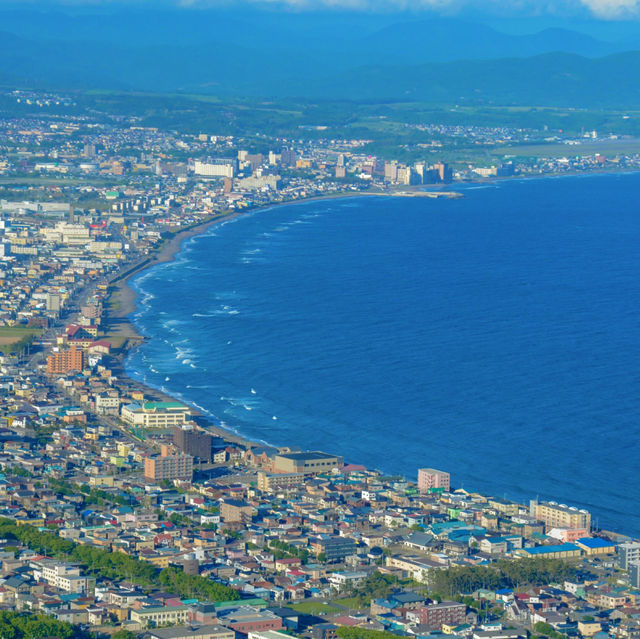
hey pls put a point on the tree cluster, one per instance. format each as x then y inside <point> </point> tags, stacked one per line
<point>117,565</point>
<point>19,625</point>
<point>501,574</point>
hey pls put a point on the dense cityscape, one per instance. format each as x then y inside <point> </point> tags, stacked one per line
<point>123,511</point>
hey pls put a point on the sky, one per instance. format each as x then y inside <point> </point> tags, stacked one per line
<point>598,9</point>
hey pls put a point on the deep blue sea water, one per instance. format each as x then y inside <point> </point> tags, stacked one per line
<point>495,336</point>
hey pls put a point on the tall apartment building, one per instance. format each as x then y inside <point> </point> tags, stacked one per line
<point>223,167</point>
<point>444,172</point>
<point>196,443</point>
<point>627,554</point>
<point>559,515</point>
<point>65,361</point>
<point>288,157</point>
<point>165,466</point>
<point>429,478</point>
<point>390,171</point>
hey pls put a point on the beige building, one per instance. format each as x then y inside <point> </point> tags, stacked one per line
<point>559,515</point>
<point>309,463</point>
<point>155,414</point>
<point>233,510</point>
<point>161,615</point>
<point>168,467</point>
<point>270,482</point>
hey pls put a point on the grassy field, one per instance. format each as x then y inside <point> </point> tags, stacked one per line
<point>352,603</point>
<point>16,337</point>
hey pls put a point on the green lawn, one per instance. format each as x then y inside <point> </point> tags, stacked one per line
<point>350,602</point>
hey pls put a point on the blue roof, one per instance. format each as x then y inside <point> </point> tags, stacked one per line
<point>595,542</point>
<point>541,550</point>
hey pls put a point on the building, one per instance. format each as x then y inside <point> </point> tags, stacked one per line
<point>168,467</point>
<point>270,482</point>
<point>155,414</point>
<point>234,510</point>
<point>558,551</point>
<point>444,172</point>
<point>269,634</point>
<point>160,615</point>
<point>628,553</point>
<point>201,632</point>
<point>560,515</point>
<point>429,478</point>
<point>634,574</point>
<point>334,548</point>
<point>107,403</point>
<point>246,619</point>
<point>65,361</point>
<point>223,167</point>
<point>595,546</point>
<point>309,463</point>
<point>196,443</point>
<point>259,182</point>
<point>66,577</point>
<point>53,302</point>
<point>433,616</point>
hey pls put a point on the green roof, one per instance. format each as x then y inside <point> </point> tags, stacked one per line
<point>162,405</point>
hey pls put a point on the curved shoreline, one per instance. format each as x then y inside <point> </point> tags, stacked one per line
<point>125,299</point>
<point>168,251</point>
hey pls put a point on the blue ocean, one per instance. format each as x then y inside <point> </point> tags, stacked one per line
<point>495,336</point>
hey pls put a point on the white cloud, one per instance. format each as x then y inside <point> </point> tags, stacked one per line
<point>613,8</point>
<point>599,8</point>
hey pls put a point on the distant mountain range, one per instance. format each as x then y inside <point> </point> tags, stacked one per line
<point>316,56</point>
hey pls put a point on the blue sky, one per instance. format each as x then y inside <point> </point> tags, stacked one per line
<point>600,9</point>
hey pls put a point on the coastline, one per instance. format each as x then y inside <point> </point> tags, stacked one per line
<point>121,301</point>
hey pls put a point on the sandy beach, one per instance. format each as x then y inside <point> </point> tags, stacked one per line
<point>120,304</point>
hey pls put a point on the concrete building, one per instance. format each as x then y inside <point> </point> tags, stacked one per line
<point>65,361</point>
<point>270,482</point>
<point>107,403</point>
<point>334,548</point>
<point>155,414</point>
<point>234,510</point>
<point>160,615</point>
<point>258,182</point>
<point>247,619</point>
<point>196,443</point>
<point>429,478</point>
<point>223,167</point>
<point>435,615</point>
<point>66,577</point>
<point>168,467</point>
<point>201,632</point>
<point>309,463</point>
<point>628,553</point>
<point>269,634</point>
<point>560,515</point>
